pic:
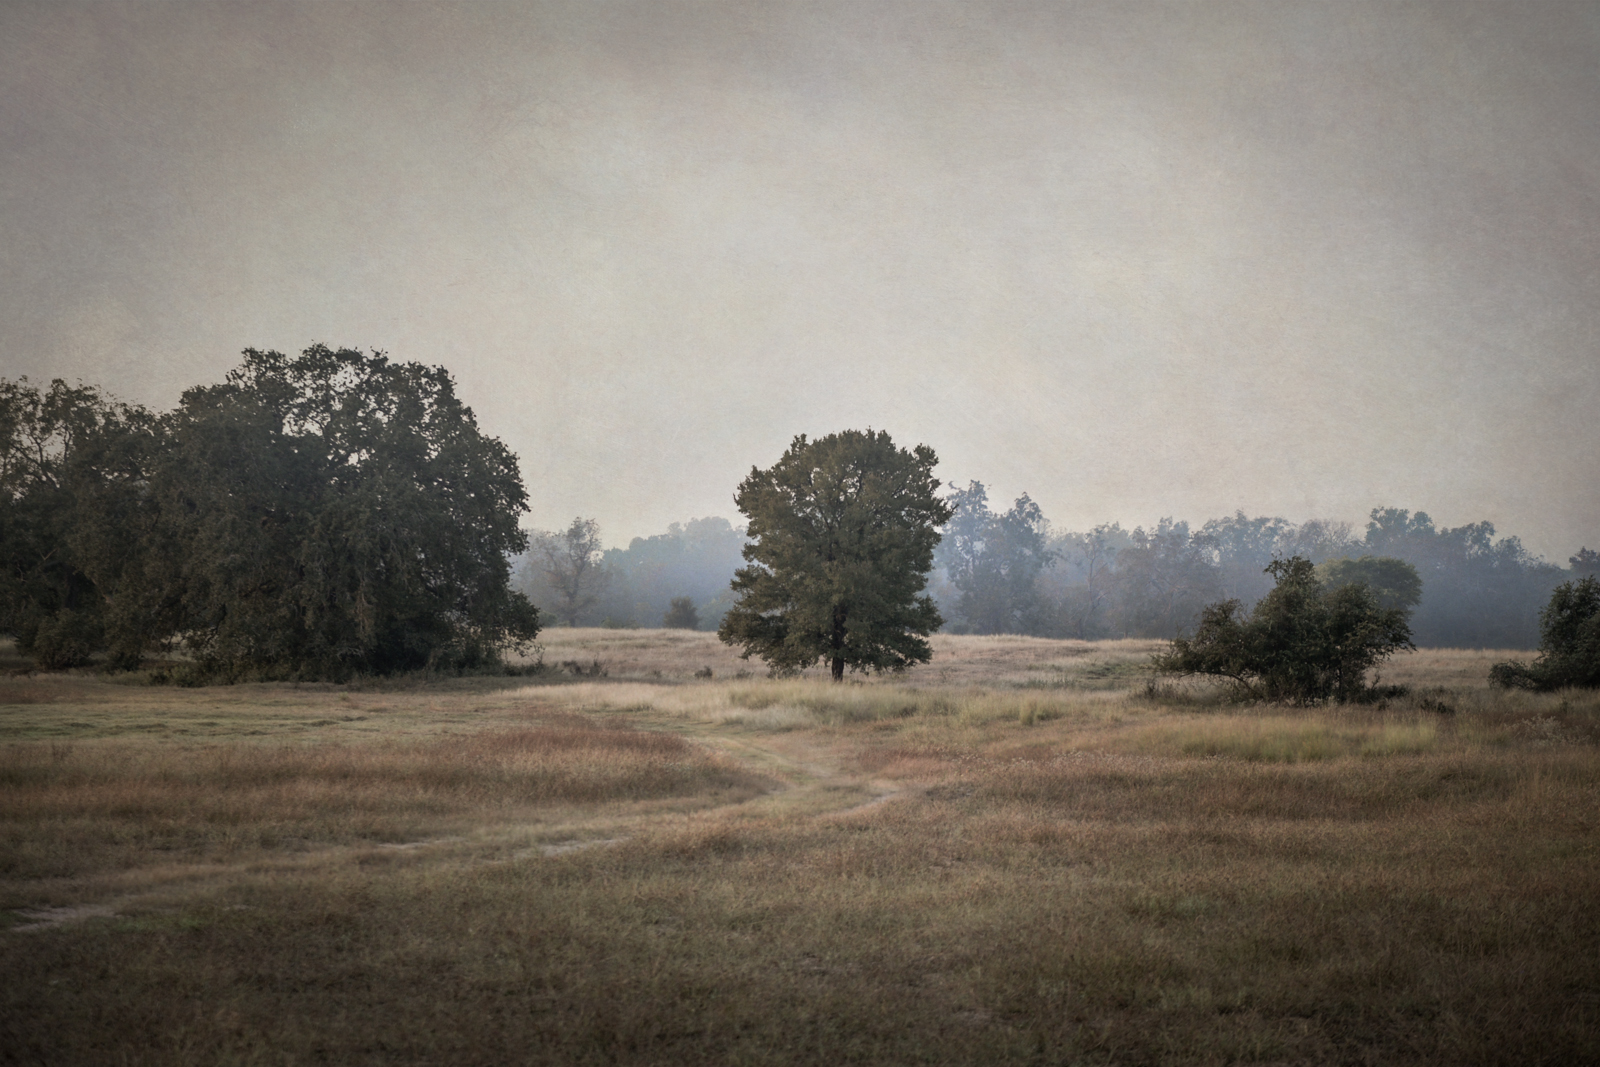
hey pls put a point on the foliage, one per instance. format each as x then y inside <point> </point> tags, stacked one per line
<point>1394,582</point>
<point>993,561</point>
<point>571,565</point>
<point>1080,594</point>
<point>1302,643</point>
<point>1477,592</point>
<point>311,517</point>
<point>71,470</point>
<point>1569,645</point>
<point>681,615</point>
<point>843,531</point>
<point>1165,577</point>
<point>336,513</point>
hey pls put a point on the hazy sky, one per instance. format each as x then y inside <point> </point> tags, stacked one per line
<point>1136,260</point>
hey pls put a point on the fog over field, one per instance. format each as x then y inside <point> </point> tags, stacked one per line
<point>1137,261</point>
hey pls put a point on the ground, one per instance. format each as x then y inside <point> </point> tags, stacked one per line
<point>1021,853</point>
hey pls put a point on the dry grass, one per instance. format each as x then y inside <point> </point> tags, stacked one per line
<point>1014,856</point>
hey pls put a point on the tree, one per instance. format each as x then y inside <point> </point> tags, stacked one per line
<point>681,615</point>
<point>1164,577</point>
<point>1301,643</point>
<point>1394,582</point>
<point>72,468</point>
<point>994,561</point>
<point>329,514</point>
<point>570,562</point>
<point>843,533</point>
<point>1569,642</point>
<point>1241,547</point>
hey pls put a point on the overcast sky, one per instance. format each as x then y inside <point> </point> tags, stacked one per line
<point>1135,260</point>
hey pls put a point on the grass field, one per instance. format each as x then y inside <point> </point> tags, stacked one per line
<point>1021,853</point>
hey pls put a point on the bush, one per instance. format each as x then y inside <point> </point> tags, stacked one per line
<point>1302,643</point>
<point>1569,643</point>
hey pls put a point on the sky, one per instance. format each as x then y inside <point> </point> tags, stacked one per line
<point>1136,260</point>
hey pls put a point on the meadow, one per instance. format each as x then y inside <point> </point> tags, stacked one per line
<point>1027,851</point>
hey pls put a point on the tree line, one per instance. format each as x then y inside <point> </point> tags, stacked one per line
<point>679,579</point>
<point>336,513</point>
<point>315,516</point>
<point>1008,571</point>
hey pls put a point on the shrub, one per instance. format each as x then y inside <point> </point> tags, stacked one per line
<point>1302,643</point>
<point>1569,642</point>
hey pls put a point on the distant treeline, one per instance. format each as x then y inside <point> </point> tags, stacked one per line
<point>1009,572</point>
<point>637,585</point>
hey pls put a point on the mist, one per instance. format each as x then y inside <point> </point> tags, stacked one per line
<point>1139,260</point>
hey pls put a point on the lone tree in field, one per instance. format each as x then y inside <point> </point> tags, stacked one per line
<point>843,530</point>
<point>1303,642</point>
<point>1569,642</point>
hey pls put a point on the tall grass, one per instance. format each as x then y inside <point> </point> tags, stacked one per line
<point>70,807</point>
<point>799,703</point>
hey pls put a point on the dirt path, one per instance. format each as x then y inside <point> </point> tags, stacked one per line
<point>805,778</point>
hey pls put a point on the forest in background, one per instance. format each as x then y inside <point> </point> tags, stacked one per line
<point>1010,572</point>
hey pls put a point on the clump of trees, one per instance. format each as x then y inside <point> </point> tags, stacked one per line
<point>1012,573</point>
<point>637,585</point>
<point>843,530</point>
<point>1569,642</point>
<point>314,516</point>
<point>1304,642</point>
<point>993,561</point>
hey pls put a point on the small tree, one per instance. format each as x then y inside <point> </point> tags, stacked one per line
<point>1301,643</point>
<point>571,563</point>
<point>1394,582</point>
<point>1569,642</point>
<point>681,615</point>
<point>844,529</point>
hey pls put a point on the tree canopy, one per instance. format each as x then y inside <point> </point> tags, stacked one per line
<point>993,561</point>
<point>1394,582</point>
<point>72,467</point>
<point>843,531</point>
<point>1303,642</point>
<point>314,516</point>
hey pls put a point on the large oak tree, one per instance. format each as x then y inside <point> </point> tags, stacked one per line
<point>843,530</point>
